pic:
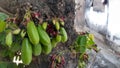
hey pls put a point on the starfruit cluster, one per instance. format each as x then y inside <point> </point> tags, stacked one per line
<point>32,35</point>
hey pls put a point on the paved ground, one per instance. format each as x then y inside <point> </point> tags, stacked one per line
<point>106,58</point>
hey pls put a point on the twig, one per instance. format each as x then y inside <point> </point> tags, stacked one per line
<point>3,10</point>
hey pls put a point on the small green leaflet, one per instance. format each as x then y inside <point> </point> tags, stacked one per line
<point>2,26</point>
<point>82,40</point>
<point>90,42</point>
<point>12,65</point>
<point>3,65</point>
<point>8,65</point>
<point>3,16</point>
<point>4,53</point>
<point>2,38</point>
<point>79,39</point>
<point>15,46</point>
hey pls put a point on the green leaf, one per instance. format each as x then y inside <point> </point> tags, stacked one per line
<point>3,65</point>
<point>8,65</point>
<point>78,39</point>
<point>3,16</point>
<point>82,49</point>
<point>13,26</point>
<point>21,65</point>
<point>2,38</point>
<point>15,46</point>
<point>2,26</point>
<point>81,64</point>
<point>11,55</point>
<point>90,42</point>
<point>4,53</point>
<point>83,41</point>
<point>12,65</point>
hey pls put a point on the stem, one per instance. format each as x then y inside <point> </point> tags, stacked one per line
<point>3,10</point>
<point>82,55</point>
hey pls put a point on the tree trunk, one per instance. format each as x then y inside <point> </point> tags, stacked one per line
<point>58,8</point>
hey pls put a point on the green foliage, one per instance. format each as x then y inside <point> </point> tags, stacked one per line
<point>2,26</point>
<point>3,65</point>
<point>15,47</point>
<point>12,65</point>
<point>4,53</point>
<point>3,16</point>
<point>8,65</point>
<point>2,38</point>
<point>83,43</point>
<point>82,40</point>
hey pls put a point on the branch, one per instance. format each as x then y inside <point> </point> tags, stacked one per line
<point>4,11</point>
